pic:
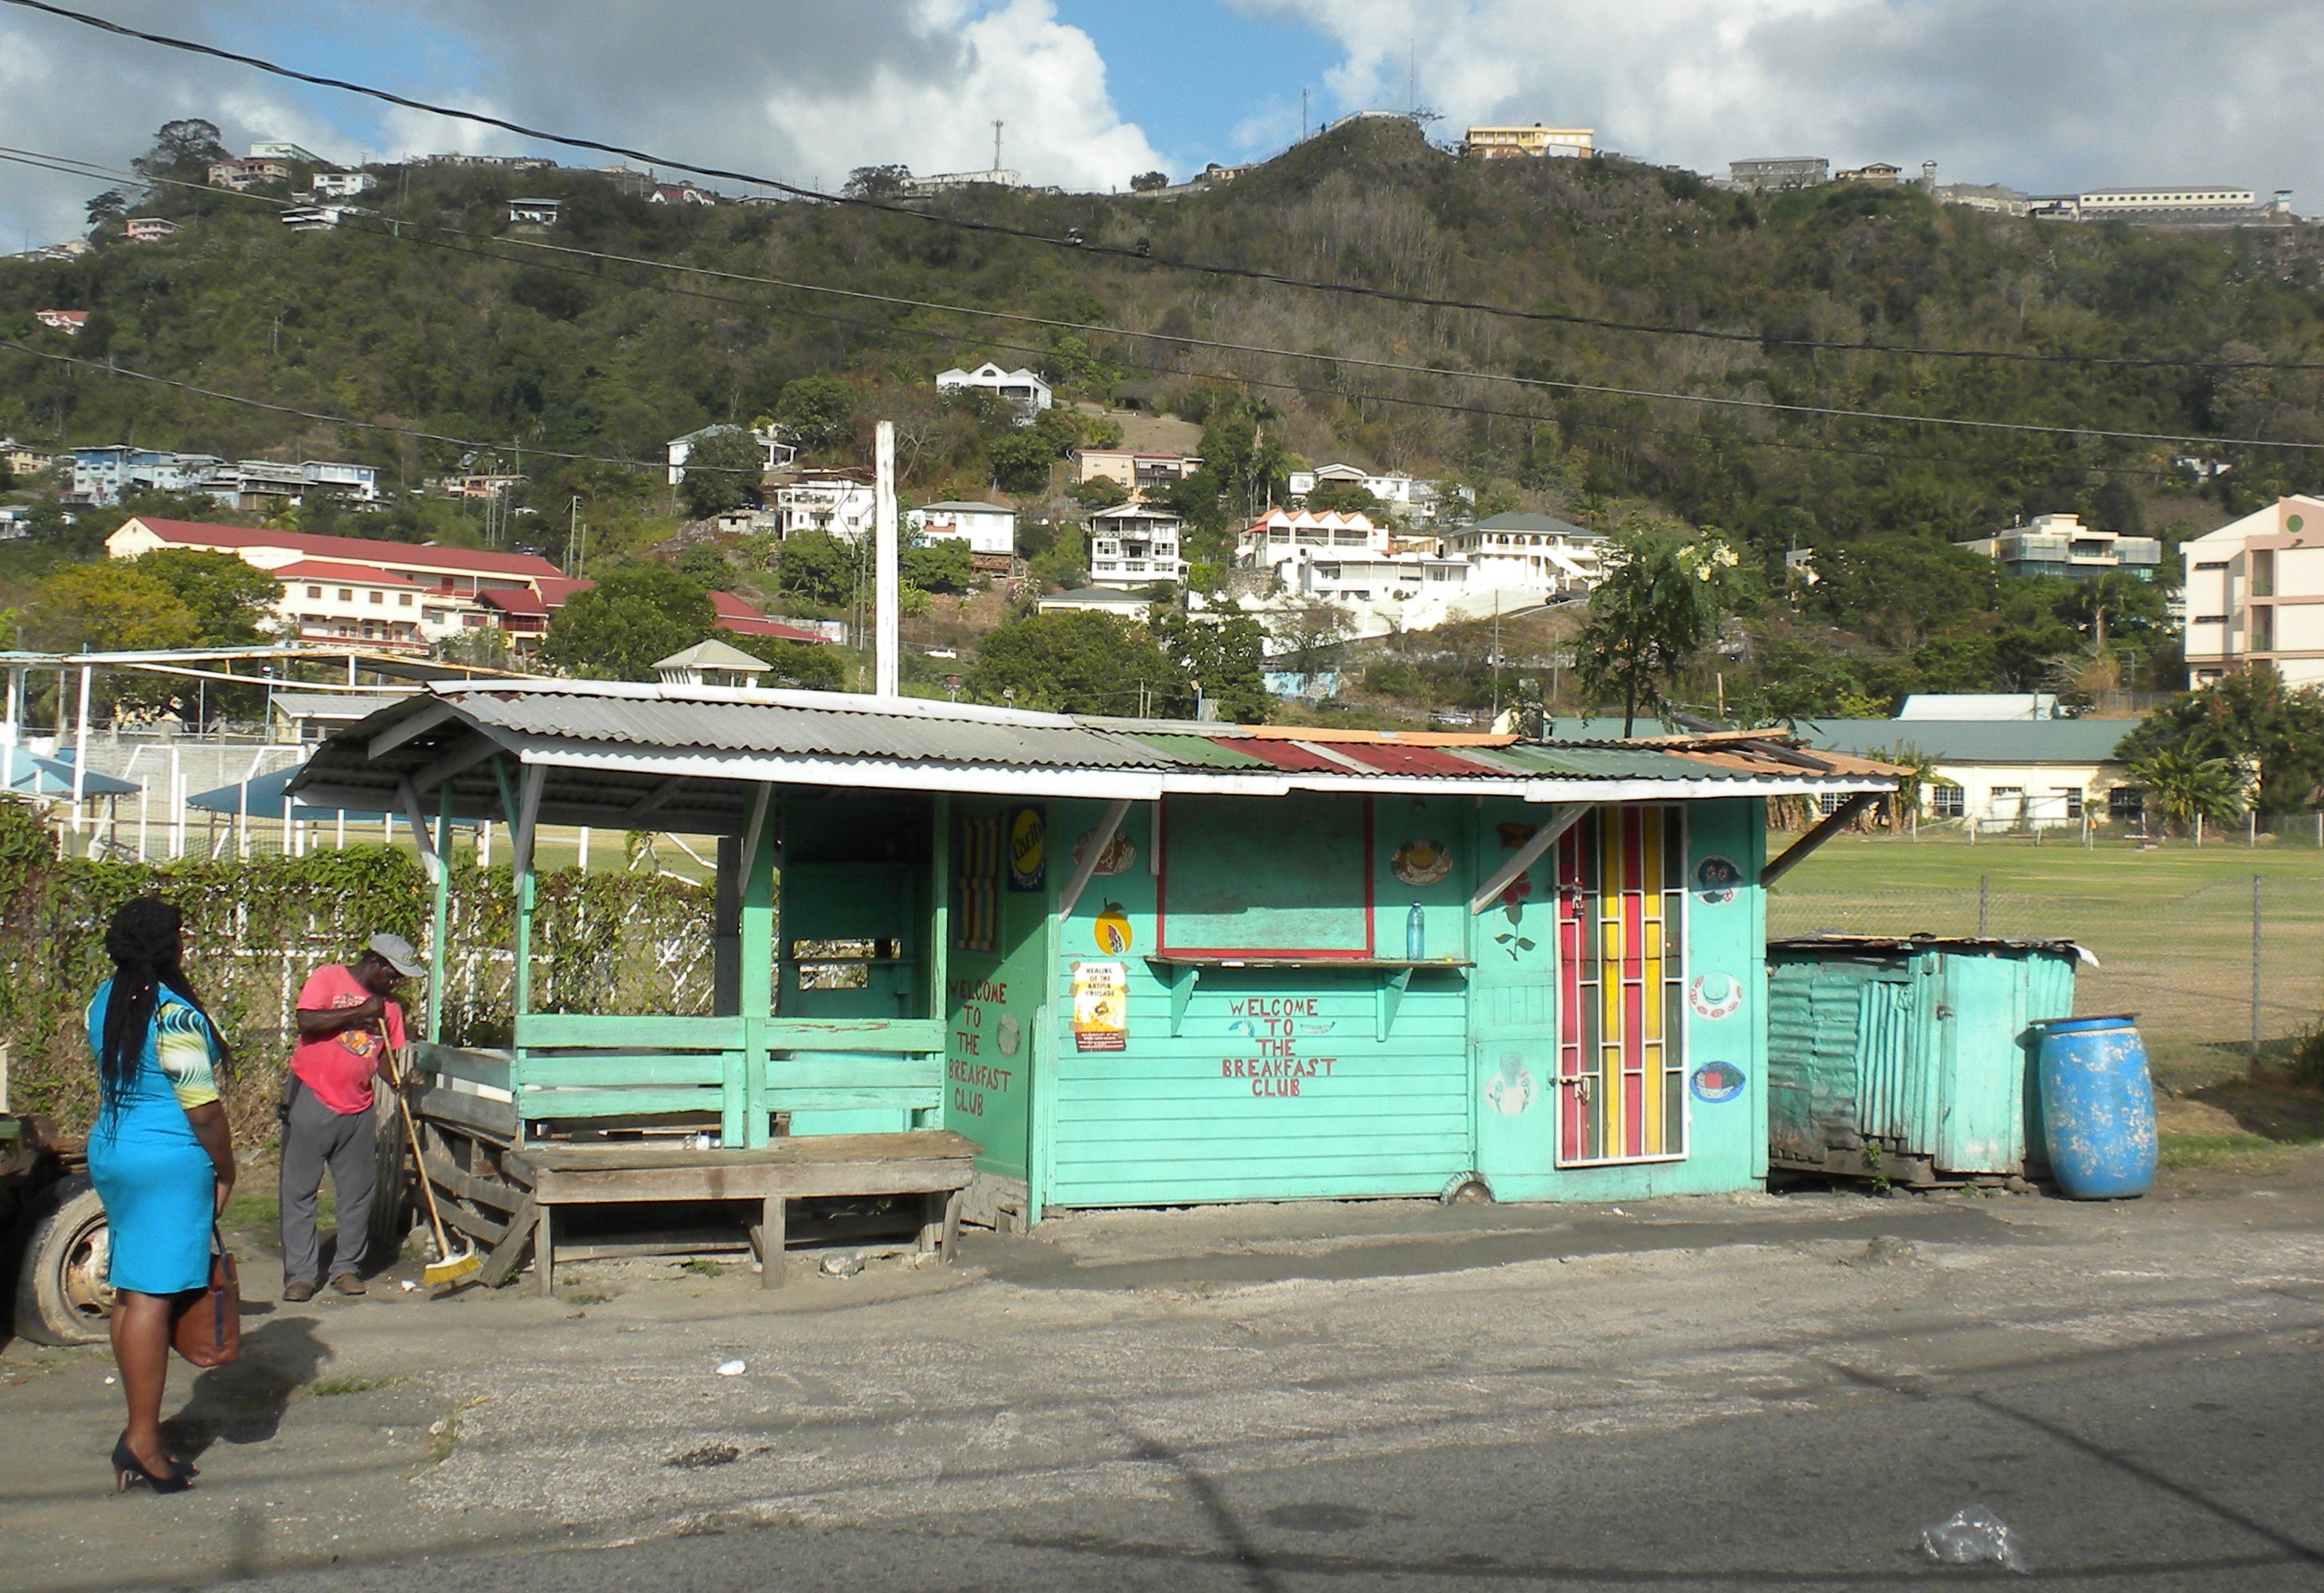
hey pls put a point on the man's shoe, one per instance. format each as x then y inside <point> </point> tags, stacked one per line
<point>298,1294</point>
<point>347,1283</point>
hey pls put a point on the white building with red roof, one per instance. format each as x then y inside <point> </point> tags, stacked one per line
<point>464,571</point>
<point>326,601</point>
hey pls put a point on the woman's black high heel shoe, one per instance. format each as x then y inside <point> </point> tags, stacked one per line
<point>127,1465</point>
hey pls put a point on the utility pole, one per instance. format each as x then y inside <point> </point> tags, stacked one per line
<point>996,146</point>
<point>1303,115</point>
<point>572,532</point>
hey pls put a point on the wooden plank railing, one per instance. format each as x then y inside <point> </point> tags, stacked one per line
<point>571,1066</point>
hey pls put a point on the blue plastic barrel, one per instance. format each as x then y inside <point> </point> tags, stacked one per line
<point>2097,1108</point>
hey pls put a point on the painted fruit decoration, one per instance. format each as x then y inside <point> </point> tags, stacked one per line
<point>1112,930</point>
<point>1715,995</point>
<point>1420,862</point>
<point>1717,1082</point>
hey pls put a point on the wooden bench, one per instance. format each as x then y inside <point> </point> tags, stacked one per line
<point>936,1164</point>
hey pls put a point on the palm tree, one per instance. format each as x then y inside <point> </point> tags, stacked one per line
<point>2183,786</point>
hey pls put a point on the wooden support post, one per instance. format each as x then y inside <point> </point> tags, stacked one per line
<point>1099,839</point>
<point>1546,834</point>
<point>442,924</point>
<point>746,1120</point>
<point>952,1206</point>
<point>771,1237</point>
<point>544,1248</point>
<point>932,1221</point>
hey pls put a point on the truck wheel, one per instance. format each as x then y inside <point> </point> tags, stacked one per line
<point>61,1294</point>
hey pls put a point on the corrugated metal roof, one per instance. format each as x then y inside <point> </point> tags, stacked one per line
<point>1974,741</point>
<point>801,732</point>
<point>1389,758</point>
<point>1201,752</point>
<point>1603,763</point>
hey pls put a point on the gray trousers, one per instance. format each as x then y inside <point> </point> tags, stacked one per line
<point>313,1137</point>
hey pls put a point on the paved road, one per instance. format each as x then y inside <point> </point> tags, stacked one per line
<point>1760,1394</point>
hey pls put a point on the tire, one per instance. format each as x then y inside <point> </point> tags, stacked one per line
<point>61,1295</point>
<point>390,1201</point>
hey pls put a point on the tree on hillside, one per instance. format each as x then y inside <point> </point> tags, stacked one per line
<point>1147,182</point>
<point>818,568</point>
<point>1075,662</point>
<point>817,411</point>
<point>109,607</point>
<point>706,564</point>
<point>937,564</point>
<point>1226,660</point>
<point>2254,722</point>
<point>1099,492</point>
<point>877,182</point>
<point>183,151</point>
<point>107,210</point>
<point>723,471</point>
<point>228,598</point>
<point>634,615</point>
<point>1657,608</point>
<point>1347,497</point>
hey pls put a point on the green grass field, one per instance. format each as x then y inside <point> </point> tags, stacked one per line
<point>2171,927</point>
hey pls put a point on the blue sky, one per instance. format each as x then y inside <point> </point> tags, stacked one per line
<point>2022,92</point>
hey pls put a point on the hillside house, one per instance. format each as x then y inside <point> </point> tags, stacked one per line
<point>1766,172</point>
<point>70,322</point>
<point>1133,546</point>
<point>778,453</point>
<point>343,185</point>
<point>1537,555</point>
<point>1534,143</point>
<point>1135,473</point>
<point>323,600</point>
<point>1399,494</point>
<point>1022,389</point>
<point>149,229</point>
<point>679,193</point>
<point>840,503</point>
<point>989,528</point>
<point>2061,545</point>
<point>240,176</point>
<point>535,212</point>
<point>461,572</point>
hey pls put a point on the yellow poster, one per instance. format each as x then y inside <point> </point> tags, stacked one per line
<point>1101,1007</point>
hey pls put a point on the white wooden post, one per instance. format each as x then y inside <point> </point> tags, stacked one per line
<point>80,750</point>
<point>888,593</point>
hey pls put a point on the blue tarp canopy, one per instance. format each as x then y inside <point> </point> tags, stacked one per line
<point>53,776</point>
<point>267,801</point>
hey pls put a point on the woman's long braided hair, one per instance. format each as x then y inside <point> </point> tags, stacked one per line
<point>143,941</point>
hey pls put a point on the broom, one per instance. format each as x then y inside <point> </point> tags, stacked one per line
<point>450,1266</point>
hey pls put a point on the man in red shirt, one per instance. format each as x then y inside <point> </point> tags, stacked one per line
<point>349,1020</point>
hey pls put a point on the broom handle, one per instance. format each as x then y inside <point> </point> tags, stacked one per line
<point>419,1156</point>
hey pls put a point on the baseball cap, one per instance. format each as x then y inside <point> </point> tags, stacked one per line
<point>397,953</point>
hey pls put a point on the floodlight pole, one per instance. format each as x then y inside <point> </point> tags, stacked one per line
<point>887,594</point>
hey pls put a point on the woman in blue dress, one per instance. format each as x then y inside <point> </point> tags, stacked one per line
<point>162,1160</point>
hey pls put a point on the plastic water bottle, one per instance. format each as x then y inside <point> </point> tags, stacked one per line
<point>1416,935</point>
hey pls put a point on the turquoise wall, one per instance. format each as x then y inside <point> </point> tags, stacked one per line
<point>1269,1083</point>
<point>994,1005</point>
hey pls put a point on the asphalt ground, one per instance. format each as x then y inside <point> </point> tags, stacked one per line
<point>1755,1392</point>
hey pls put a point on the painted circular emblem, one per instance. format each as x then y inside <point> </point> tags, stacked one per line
<point>1116,859</point>
<point>1112,930</point>
<point>1715,879</point>
<point>1026,845</point>
<point>1010,1035</point>
<point>1510,1091</point>
<point>1715,995</point>
<point>1716,1082</point>
<point>1420,862</point>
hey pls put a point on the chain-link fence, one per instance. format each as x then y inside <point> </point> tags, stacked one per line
<point>2218,962</point>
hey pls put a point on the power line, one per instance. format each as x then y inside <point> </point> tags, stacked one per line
<point>1143,253</point>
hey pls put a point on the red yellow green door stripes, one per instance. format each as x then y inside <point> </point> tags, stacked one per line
<point>1621,1054</point>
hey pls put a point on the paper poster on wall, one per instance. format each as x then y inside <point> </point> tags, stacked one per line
<point>1101,1005</point>
<point>1028,849</point>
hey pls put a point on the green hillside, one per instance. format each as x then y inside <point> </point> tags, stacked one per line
<point>437,315</point>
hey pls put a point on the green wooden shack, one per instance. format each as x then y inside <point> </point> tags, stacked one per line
<point>1910,1059</point>
<point>1147,963</point>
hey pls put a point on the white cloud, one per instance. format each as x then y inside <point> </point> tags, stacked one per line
<point>2042,94</point>
<point>798,89</point>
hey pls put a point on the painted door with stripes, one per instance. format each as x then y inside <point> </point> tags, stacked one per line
<point>1621,937</point>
